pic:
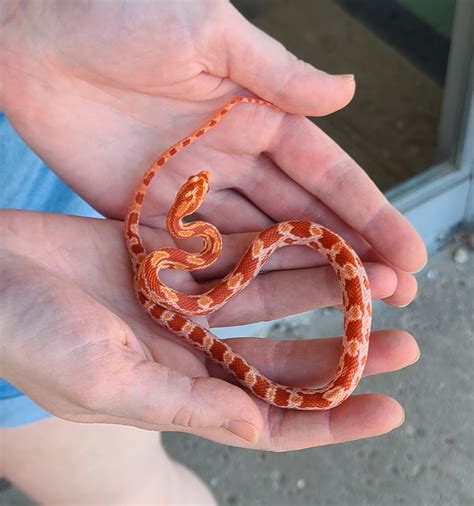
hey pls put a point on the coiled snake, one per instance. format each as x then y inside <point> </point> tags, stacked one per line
<point>171,308</point>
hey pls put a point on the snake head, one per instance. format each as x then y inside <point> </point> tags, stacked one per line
<point>190,196</point>
<point>198,184</point>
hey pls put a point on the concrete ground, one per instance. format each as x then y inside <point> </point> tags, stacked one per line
<point>428,461</point>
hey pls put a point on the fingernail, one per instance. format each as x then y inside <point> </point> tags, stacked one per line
<point>404,305</point>
<point>402,421</point>
<point>417,357</point>
<point>349,77</point>
<point>421,268</point>
<point>242,429</point>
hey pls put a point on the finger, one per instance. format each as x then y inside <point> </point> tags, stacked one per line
<point>405,293</point>
<point>153,394</point>
<point>359,417</point>
<point>299,257</point>
<point>407,285</point>
<point>310,362</point>
<point>281,198</point>
<point>313,160</point>
<point>281,293</point>
<point>261,64</point>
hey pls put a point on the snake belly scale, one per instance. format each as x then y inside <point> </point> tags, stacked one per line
<point>172,309</point>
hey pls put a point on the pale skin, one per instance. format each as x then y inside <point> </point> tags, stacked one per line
<point>98,89</point>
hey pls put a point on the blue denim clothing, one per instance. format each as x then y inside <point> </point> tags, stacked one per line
<point>27,183</point>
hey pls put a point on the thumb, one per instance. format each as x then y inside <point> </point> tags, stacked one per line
<point>265,67</point>
<point>154,394</point>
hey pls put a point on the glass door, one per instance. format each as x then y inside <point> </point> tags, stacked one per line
<point>411,123</point>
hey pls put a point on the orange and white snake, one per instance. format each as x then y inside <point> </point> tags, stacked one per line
<point>171,308</point>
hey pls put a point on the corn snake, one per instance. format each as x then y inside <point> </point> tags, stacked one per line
<point>171,308</point>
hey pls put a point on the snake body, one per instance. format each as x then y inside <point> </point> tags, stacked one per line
<point>171,309</point>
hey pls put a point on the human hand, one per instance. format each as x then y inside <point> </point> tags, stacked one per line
<point>75,340</point>
<point>99,89</point>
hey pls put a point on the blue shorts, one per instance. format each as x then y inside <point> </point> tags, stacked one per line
<point>26,183</point>
<point>16,408</point>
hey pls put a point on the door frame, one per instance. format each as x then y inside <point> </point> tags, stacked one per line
<point>439,199</point>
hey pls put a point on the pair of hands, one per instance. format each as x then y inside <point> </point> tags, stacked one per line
<point>98,89</point>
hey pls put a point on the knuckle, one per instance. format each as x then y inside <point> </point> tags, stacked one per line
<point>188,415</point>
